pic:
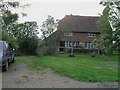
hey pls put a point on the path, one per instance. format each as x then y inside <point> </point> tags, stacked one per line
<point>19,76</point>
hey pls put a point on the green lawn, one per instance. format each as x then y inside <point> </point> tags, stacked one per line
<point>82,67</point>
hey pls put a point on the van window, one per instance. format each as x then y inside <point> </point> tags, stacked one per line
<point>0,46</point>
<point>9,47</point>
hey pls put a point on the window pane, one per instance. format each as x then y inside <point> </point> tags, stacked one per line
<point>65,44</point>
<point>90,35</point>
<point>0,47</point>
<point>68,34</point>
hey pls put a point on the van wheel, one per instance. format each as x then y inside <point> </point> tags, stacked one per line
<point>6,66</point>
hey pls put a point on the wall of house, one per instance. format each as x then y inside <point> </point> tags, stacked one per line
<point>83,37</point>
<point>63,41</point>
<point>79,40</point>
<point>79,37</point>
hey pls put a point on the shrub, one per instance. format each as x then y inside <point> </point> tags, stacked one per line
<point>28,46</point>
<point>71,55</point>
<point>93,54</point>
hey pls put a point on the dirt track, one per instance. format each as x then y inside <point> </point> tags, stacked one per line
<point>19,76</point>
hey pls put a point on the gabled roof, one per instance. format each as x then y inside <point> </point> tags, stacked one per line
<point>79,23</point>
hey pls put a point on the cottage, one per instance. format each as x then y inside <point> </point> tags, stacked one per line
<point>75,32</point>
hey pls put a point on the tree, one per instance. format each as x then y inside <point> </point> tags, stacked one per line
<point>21,35</point>
<point>6,5</point>
<point>114,16</point>
<point>1,23</point>
<point>28,46</point>
<point>48,27</point>
<point>25,34</point>
<point>109,23</point>
<point>27,37</point>
<point>8,19</point>
<point>105,41</point>
<point>7,16</point>
<point>114,20</point>
<point>24,30</point>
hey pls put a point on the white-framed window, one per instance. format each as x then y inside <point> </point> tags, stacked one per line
<point>68,34</point>
<point>89,45</point>
<point>91,35</point>
<point>72,44</point>
<point>66,44</point>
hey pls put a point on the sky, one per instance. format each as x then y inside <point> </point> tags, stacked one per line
<point>40,9</point>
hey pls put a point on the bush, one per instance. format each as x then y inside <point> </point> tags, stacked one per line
<point>41,50</point>
<point>19,53</point>
<point>82,50</point>
<point>93,54</point>
<point>71,55</point>
<point>28,46</point>
<point>10,39</point>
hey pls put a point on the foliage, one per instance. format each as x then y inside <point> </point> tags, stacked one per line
<point>93,54</point>
<point>83,67</point>
<point>111,14</point>
<point>26,29</point>
<point>104,43</point>
<point>20,35</point>
<point>6,5</point>
<point>8,19</point>
<point>48,27</point>
<point>115,22</point>
<point>10,39</point>
<point>28,45</point>
<point>26,33</point>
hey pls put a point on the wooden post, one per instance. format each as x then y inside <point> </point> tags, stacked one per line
<point>72,48</point>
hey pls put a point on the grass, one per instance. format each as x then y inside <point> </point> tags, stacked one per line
<point>82,67</point>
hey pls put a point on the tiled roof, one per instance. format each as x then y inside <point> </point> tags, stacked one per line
<point>79,23</point>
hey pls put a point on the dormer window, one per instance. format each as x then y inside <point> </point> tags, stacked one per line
<point>91,35</point>
<point>68,34</point>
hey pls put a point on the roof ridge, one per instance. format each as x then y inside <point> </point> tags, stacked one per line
<point>80,16</point>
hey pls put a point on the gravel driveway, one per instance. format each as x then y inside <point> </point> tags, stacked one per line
<point>19,76</point>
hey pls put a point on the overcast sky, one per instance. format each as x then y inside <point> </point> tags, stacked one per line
<point>39,9</point>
